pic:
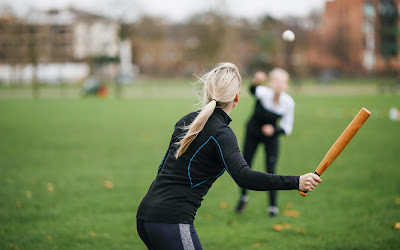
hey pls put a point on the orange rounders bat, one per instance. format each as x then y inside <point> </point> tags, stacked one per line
<point>341,142</point>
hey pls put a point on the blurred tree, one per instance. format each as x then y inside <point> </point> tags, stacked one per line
<point>33,56</point>
<point>9,41</point>
<point>268,39</point>
<point>208,29</point>
<point>264,38</point>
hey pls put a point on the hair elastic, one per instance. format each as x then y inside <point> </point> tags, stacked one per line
<point>214,100</point>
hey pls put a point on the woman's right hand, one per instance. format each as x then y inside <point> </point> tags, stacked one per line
<point>259,77</point>
<point>308,182</point>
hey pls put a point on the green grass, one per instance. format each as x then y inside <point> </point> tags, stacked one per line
<point>75,145</point>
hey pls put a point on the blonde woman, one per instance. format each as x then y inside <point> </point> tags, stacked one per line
<point>273,116</point>
<point>202,148</point>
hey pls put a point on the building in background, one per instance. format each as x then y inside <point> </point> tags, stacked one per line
<point>57,46</point>
<point>354,37</point>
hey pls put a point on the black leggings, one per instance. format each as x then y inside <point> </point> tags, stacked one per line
<point>168,236</point>
<point>271,146</point>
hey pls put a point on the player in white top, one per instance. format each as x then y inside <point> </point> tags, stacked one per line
<point>273,116</point>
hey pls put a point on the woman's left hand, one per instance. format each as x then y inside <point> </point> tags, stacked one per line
<point>268,130</point>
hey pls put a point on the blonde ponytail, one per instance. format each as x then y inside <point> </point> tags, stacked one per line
<point>220,88</point>
<point>196,127</point>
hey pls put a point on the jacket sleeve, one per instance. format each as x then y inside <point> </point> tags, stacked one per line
<point>286,122</point>
<point>252,89</point>
<point>234,163</point>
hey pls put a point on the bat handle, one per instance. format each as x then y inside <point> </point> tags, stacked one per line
<point>304,193</point>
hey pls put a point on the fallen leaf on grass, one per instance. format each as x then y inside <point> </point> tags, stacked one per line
<point>50,187</point>
<point>300,231</point>
<point>277,227</point>
<point>397,201</point>
<point>28,194</point>
<point>108,184</point>
<point>207,217</point>
<point>14,246</point>
<point>93,234</point>
<point>223,205</point>
<point>18,204</point>
<point>49,238</point>
<point>231,223</point>
<point>288,206</point>
<point>280,227</point>
<point>286,226</point>
<point>258,244</point>
<point>291,213</point>
<point>147,137</point>
<point>396,225</point>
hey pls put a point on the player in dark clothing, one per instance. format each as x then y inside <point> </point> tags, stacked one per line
<point>202,147</point>
<point>272,104</point>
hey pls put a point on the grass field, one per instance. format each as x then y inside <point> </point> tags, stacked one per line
<point>73,172</point>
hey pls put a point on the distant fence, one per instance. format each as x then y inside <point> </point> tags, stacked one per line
<point>182,89</point>
<point>51,73</point>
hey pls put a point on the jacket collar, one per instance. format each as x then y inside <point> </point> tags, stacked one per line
<point>222,115</point>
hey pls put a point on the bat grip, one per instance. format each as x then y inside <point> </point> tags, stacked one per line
<point>304,193</point>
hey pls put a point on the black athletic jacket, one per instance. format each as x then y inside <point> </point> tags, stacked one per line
<point>177,192</point>
<point>263,115</point>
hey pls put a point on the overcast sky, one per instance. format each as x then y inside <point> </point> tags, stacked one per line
<point>177,10</point>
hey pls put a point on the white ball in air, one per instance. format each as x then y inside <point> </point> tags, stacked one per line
<point>288,36</point>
